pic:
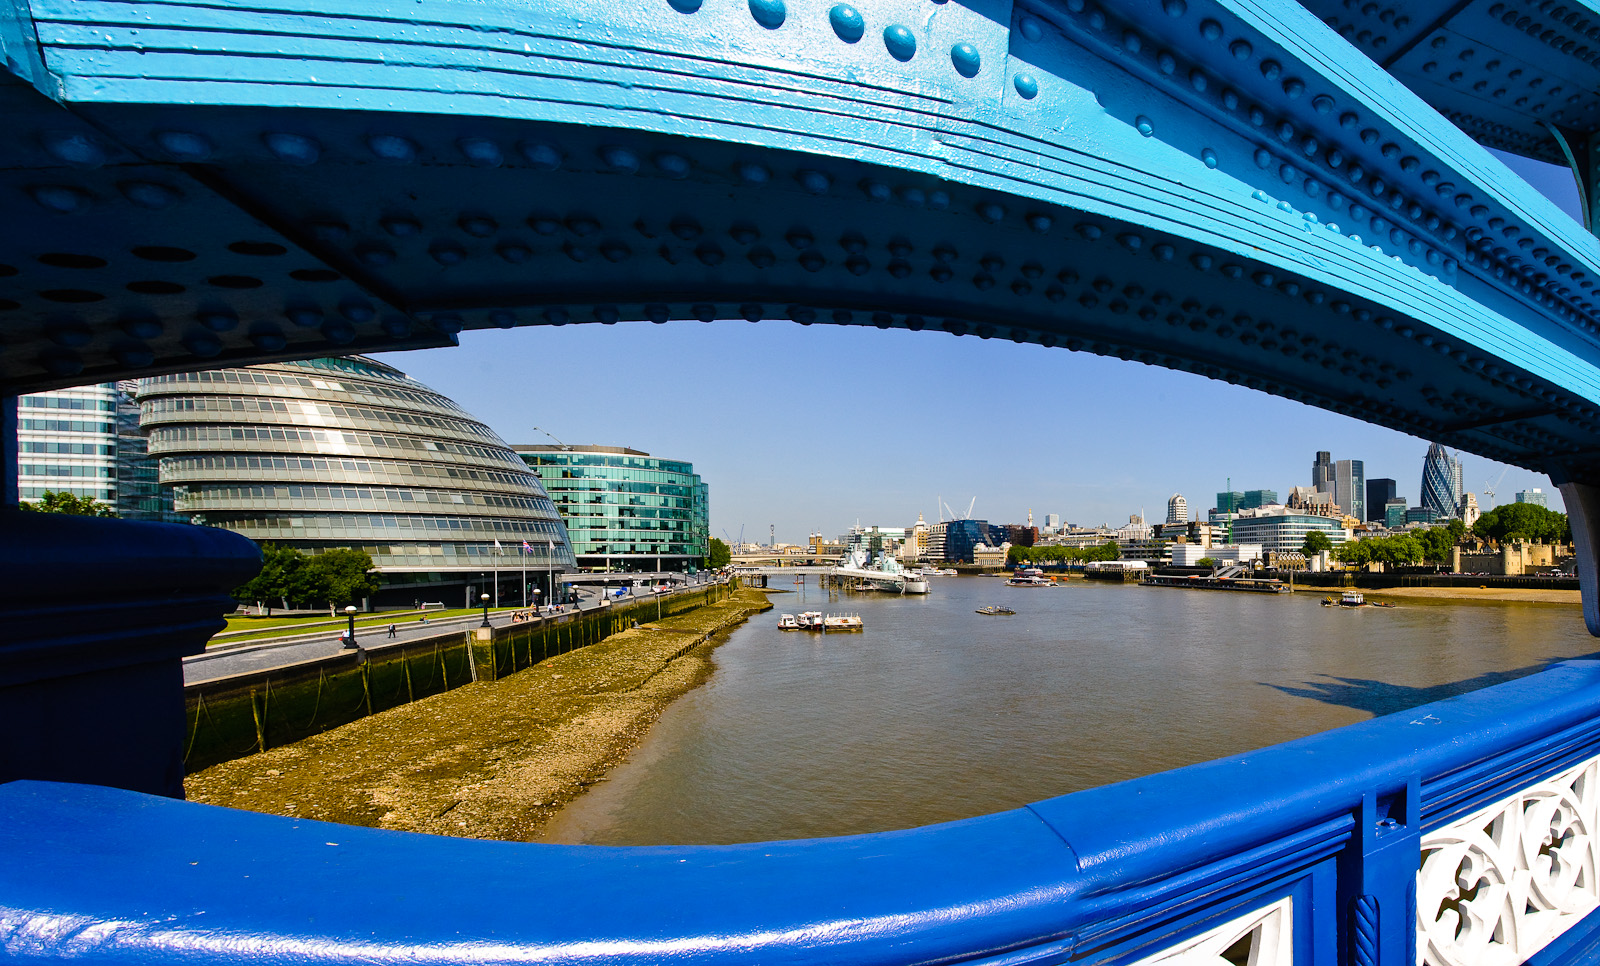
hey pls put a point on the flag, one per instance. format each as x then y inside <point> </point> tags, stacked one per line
<point>497,546</point>
<point>526,548</point>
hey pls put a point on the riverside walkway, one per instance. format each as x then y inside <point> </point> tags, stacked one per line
<point>1290,197</point>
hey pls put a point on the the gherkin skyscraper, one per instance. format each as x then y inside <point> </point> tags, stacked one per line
<point>1441,482</point>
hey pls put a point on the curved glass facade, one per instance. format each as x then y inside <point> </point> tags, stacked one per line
<point>626,509</point>
<point>349,452</point>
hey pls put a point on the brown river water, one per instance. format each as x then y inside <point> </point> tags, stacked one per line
<point>936,713</point>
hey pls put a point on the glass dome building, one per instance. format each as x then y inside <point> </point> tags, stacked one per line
<point>349,452</point>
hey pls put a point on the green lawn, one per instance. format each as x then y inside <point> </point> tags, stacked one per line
<point>270,627</point>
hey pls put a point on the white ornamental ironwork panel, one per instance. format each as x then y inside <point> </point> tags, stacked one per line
<point>1499,885</point>
<point>1264,937</point>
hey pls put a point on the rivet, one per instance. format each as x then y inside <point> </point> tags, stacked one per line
<point>142,327</point>
<point>1026,86</point>
<point>1241,49</point>
<point>992,212</point>
<point>1032,30</point>
<point>304,316</point>
<point>848,24</point>
<point>357,310</point>
<point>1132,242</point>
<point>74,148</point>
<point>392,149</point>
<point>1322,103</point>
<point>59,197</point>
<point>876,190</point>
<point>338,331</point>
<point>1146,126</point>
<point>292,148</point>
<point>134,356</point>
<point>375,256</point>
<point>1039,222</point>
<point>203,345</point>
<point>396,326</point>
<point>900,42</point>
<point>684,6</point>
<point>541,155</point>
<point>619,159</point>
<point>658,313</point>
<point>148,194</point>
<point>769,13</point>
<point>606,314</point>
<point>1089,231</point>
<point>705,312</point>
<point>184,145</point>
<point>478,226</point>
<point>813,182</point>
<point>1209,157</point>
<point>554,316</point>
<point>751,312</point>
<point>672,165</point>
<point>966,60</point>
<point>400,226</point>
<point>1175,8</point>
<point>752,173</point>
<point>1210,29</point>
<point>482,152</point>
<point>218,320</point>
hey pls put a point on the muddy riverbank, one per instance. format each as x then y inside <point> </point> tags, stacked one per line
<point>489,760</point>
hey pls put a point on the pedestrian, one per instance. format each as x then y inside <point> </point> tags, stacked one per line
<point>391,630</point>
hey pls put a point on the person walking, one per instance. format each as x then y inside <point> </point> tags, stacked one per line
<point>391,630</point>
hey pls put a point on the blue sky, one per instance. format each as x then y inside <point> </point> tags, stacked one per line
<point>814,428</point>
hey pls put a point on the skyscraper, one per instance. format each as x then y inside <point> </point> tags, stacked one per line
<point>1441,482</point>
<point>1379,493</point>
<point>1177,509</point>
<point>1536,496</point>
<point>1350,487</point>
<point>1322,472</point>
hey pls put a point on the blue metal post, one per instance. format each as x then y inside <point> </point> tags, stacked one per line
<point>9,452</point>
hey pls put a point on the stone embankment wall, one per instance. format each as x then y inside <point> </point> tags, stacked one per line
<point>242,715</point>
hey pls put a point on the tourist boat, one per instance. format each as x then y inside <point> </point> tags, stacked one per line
<point>788,622</point>
<point>994,610</point>
<point>877,572</point>
<point>811,620</point>
<point>1349,598</point>
<point>1031,577</point>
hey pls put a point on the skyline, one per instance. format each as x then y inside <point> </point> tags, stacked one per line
<point>812,428</point>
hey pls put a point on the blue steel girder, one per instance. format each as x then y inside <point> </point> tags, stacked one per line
<point>1222,187</point>
<point>1511,73</point>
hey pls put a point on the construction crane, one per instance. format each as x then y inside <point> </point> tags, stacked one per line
<point>552,436</point>
<point>1488,489</point>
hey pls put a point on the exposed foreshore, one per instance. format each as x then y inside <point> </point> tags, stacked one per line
<point>488,760</point>
<point>1524,595</point>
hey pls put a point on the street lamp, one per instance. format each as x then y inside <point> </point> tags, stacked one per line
<point>485,611</point>
<point>350,638</point>
<point>536,600</point>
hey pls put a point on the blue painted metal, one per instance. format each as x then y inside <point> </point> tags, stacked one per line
<point>1101,876</point>
<point>1221,186</point>
<point>1157,181</point>
<point>98,615</point>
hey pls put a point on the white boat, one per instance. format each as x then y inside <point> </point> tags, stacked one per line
<point>880,572</point>
<point>811,620</point>
<point>1031,577</point>
<point>788,622</point>
<point>842,622</point>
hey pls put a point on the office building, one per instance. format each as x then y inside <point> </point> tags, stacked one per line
<point>960,536</point>
<point>1350,487</point>
<point>1379,493</point>
<point>349,452</point>
<point>1177,509</point>
<point>1254,499</point>
<point>1279,529</point>
<point>1423,514</point>
<point>1230,502</point>
<point>1394,512</point>
<point>1322,472</point>
<point>625,509</point>
<point>1441,482</point>
<point>1052,521</point>
<point>1536,496</point>
<point>86,442</point>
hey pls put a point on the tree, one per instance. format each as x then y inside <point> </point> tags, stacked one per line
<point>79,506</point>
<point>719,555</point>
<point>1315,543</point>
<point>279,576</point>
<point>1206,562</point>
<point>340,576</point>
<point>1523,521</point>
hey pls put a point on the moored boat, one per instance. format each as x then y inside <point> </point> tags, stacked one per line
<point>994,610</point>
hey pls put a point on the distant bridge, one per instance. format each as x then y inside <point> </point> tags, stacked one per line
<point>1229,187</point>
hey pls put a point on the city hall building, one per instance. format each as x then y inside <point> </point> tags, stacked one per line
<point>349,452</point>
<point>625,509</point>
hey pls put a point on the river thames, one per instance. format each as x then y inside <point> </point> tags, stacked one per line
<point>936,713</point>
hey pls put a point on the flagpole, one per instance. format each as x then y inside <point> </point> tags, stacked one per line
<point>524,575</point>
<point>550,567</point>
<point>497,572</point>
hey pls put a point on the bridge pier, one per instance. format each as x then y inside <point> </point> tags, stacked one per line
<point>1583,513</point>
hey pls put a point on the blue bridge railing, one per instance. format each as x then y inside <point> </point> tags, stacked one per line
<point>1457,833</point>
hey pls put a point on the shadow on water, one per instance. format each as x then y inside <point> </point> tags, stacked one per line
<point>1381,698</point>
